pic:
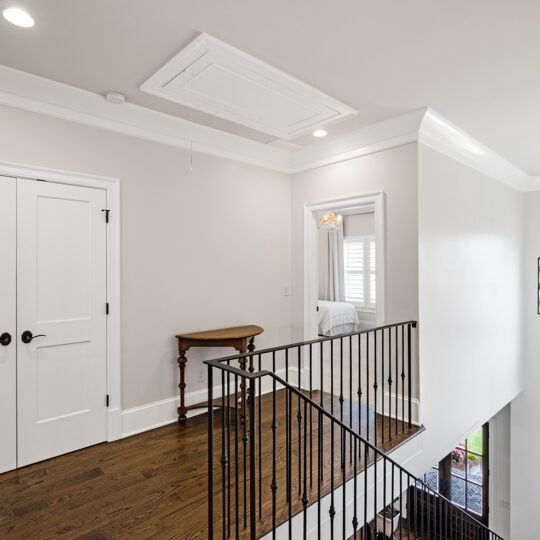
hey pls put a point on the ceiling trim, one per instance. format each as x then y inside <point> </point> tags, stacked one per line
<point>396,131</point>
<point>30,92</point>
<point>441,135</point>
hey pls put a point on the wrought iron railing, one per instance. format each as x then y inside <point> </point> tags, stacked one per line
<point>296,444</point>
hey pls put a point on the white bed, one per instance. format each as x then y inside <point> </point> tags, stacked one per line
<point>336,318</point>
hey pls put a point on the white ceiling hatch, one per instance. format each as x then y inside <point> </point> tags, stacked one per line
<point>216,78</point>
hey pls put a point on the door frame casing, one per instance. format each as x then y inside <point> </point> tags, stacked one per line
<point>375,199</point>
<point>112,189</point>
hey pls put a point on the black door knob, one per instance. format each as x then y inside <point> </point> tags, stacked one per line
<point>5,339</point>
<point>27,337</point>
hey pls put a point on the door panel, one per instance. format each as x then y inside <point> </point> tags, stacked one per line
<point>8,310</point>
<point>61,291</point>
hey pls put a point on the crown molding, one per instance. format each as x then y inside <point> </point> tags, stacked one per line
<point>32,93</point>
<point>396,131</point>
<point>441,135</point>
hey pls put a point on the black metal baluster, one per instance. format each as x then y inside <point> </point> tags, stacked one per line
<point>299,418</point>
<point>224,458</point>
<point>305,499</point>
<point>321,469</point>
<point>375,387</point>
<point>252,463</point>
<point>210,455</point>
<point>375,490</point>
<point>359,385</point>
<point>367,387</point>
<point>355,473</point>
<point>350,399</point>
<point>274,484</point>
<point>343,472</point>
<point>402,378</point>
<point>289,472</point>
<point>236,471</point>
<point>396,378</point>
<point>319,472</point>
<point>409,377</point>
<point>287,440</point>
<point>310,417</point>
<point>259,427</point>
<point>401,505</point>
<point>245,439</point>
<point>229,450</point>
<point>341,399</point>
<point>389,384</point>
<point>332,510</point>
<point>384,488</point>
<point>365,488</point>
<point>332,377</point>
<point>382,382</point>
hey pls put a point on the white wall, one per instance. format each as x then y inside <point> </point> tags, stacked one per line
<point>392,171</point>
<point>200,250</point>
<point>469,248</point>
<point>525,516</point>
<point>500,473</point>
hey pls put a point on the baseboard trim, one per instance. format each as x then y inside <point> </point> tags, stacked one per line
<point>160,413</point>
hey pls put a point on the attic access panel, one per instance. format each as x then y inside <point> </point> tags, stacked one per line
<point>216,78</point>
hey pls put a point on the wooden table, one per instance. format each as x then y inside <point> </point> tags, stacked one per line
<point>241,338</point>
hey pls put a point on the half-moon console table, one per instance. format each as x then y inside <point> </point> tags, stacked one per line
<point>241,338</point>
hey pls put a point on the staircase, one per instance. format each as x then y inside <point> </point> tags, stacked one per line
<point>299,440</point>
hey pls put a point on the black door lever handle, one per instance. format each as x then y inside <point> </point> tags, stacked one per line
<point>5,339</point>
<point>27,337</point>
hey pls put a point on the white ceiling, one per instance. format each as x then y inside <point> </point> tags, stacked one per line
<point>476,63</point>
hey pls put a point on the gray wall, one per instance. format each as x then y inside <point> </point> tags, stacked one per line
<point>199,250</point>
<point>392,171</point>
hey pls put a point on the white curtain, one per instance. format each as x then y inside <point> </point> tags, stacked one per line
<point>335,273</point>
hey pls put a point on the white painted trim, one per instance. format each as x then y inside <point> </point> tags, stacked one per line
<point>376,200</point>
<point>112,188</point>
<point>397,131</point>
<point>32,93</point>
<point>160,413</point>
<point>443,136</point>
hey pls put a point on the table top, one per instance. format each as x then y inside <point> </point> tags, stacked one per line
<point>236,332</point>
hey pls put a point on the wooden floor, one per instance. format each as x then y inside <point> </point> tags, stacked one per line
<point>155,485</point>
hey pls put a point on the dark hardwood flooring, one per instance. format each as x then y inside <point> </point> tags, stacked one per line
<point>155,485</point>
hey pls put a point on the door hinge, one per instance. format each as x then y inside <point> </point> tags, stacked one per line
<point>106,308</point>
<point>107,212</point>
<point>107,399</point>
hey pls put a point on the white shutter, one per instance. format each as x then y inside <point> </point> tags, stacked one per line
<point>353,254</point>
<point>372,274</point>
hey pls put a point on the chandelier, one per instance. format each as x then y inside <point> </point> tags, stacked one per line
<point>330,220</point>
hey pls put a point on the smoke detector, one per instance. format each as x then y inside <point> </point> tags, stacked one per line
<point>115,97</point>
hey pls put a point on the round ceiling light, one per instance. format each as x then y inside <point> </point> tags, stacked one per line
<point>320,133</point>
<point>18,17</point>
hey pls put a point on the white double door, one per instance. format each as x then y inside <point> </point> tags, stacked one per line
<point>53,289</point>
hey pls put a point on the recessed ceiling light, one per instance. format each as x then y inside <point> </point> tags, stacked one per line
<point>320,133</point>
<point>18,17</point>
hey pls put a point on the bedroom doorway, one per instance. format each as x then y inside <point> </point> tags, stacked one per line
<point>344,277</point>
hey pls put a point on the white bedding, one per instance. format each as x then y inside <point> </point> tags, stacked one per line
<point>337,318</point>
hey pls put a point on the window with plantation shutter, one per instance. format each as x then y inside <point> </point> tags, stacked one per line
<point>360,269</point>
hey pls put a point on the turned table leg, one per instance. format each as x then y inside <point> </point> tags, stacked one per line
<point>182,410</point>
